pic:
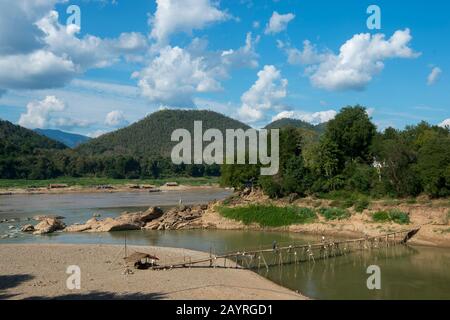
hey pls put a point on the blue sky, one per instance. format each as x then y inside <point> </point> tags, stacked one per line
<point>245,58</point>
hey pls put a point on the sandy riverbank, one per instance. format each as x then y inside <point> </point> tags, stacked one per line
<point>113,189</point>
<point>39,272</point>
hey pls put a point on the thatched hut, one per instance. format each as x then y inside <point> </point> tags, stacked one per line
<point>141,260</point>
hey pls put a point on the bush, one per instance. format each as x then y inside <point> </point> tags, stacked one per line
<point>361,205</point>
<point>395,216</point>
<point>269,216</point>
<point>334,213</point>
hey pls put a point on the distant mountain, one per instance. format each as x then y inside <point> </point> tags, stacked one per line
<point>286,122</point>
<point>151,136</point>
<point>16,141</point>
<point>71,140</point>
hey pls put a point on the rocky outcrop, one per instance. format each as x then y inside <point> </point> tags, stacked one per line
<point>126,221</point>
<point>27,228</point>
<point>48,225</point>
<point>184,217</point>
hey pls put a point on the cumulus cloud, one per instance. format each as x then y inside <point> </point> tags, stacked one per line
<point>20,16</point>
<point>311,117</point>
<point>265,94</point>
<point>278,22</point>
<point>245,56</point>
<point>38,70</point>
<point>174,76</point>
<point>173,16</point>
<point>116,118</point>
<point>48,54</point>
<point>40,114</point>
<point>307,56</point>
<point>89,51</point>
<point>359,60</point>
<point>434,76</point>
<point>445,124</point>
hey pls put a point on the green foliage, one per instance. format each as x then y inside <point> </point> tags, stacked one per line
<point>269,216</point>
<point>395,216</point>
<point>361,205</point>
<point>334,213</point>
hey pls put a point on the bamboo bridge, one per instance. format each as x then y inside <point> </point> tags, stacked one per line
<point>293,254</point>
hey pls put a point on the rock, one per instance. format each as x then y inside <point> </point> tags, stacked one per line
<point>48,225</point>
<point>27,228</point>
<point>44,217</point>
<point>151,214</point>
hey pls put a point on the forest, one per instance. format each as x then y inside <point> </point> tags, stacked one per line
<point>352,156</point>
<point>347,154</point>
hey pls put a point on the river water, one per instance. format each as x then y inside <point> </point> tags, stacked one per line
<point>406,272</point>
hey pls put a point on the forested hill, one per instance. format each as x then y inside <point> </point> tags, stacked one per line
<point>16,141</point>
<point>151,136</point>
<point>288,122</point>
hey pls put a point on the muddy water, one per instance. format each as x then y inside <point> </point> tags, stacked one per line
<point>406,272</point>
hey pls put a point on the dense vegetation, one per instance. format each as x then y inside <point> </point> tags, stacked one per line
<point>348,157</point>
<point>269,216</point>
<point>141,150</point>
<point>24,153</point>
<point>351,157</point>
<point>396,216</point>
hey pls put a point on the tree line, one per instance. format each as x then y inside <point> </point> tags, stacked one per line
<point>352,156</point>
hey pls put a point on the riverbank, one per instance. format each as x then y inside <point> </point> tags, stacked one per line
<point>39,272</point>
<point>431,217</point>
<point>100,185</point>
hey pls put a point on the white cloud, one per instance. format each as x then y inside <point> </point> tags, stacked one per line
<point>116,118</point>
<point>245,56</point>
<point>41,114</point>
<point>89,51</point>
<point>38,112</point>
<point>278,22</point>
<point>434,76</point>
<point>173,16</point>
<point>19,16</point>
<point>97,133</point>
<point>309,55</point>
<point>52,54</point>
<point>265,94</point>
<point>37,70</point>
<point>445,123</point>
<point>311,117</point>
<point>359,60</point>
<point>174,76</point>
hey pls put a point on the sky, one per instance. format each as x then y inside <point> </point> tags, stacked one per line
<point>254,60</point>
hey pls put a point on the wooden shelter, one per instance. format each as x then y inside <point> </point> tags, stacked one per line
<point>141,260</point>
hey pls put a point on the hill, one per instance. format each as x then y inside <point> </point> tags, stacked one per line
<point>16,140</point>
<point>71,140</point>
<point>151,136</point>
<point>286,122</point>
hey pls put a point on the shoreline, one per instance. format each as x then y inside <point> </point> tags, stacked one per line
<point>38,271</point>
<point>90,189</point>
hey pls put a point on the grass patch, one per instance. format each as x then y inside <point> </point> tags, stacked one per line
<point>334,213</point>
<point>91,181</point>
<point>395,216</point>
<point>269,216</point>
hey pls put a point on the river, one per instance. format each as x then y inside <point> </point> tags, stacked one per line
<point>406,272</point>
